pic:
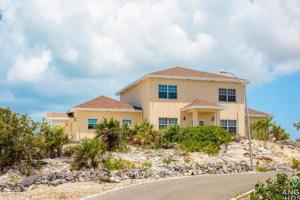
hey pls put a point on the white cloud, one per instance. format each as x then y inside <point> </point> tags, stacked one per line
<point>32,69</point>
<point>63,45</point>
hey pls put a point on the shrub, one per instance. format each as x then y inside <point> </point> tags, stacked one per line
<point>277,189</point>
<point>279,133</point>
<point>118,164</point>
<point>88,154</point>
<point>143,134</point>
<point>296,164</point>
<point>109,131</point>
<point>167,160</point>
<point>169,136</point>
<point>207,139</point>
<point>18,139</point>
<point>145,164</point>
<point>55,138</point>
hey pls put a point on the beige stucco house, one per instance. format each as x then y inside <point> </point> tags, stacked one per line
<point>173,96</point>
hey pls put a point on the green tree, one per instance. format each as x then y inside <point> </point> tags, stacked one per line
<point>18,138</point>
<point>278,132</point>
<point>263,129</point>
<point>109,131</point>
<point>55,138</point>
<point>88,154</point>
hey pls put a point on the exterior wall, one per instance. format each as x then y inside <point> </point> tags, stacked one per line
<point>146,95</point>
<point>138,96</point>
<point>80,126</point>
<point>189,90</point>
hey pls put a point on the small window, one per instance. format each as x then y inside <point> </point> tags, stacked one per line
<point>127,122</point>
<point>164,122</point>
<point>229,125</point>
<point>92,123</point>
<point>227,95</point>
<point>167,91</point>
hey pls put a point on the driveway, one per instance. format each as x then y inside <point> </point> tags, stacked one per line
<point>206,187</point>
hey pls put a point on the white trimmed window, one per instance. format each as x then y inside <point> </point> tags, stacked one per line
<point>167,91</point>
<point>229,125</point>
<point>227,95</point>
<point>164,122</point>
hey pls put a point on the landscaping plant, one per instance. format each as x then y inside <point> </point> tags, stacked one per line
<point>280,189</point>
<point>54,138</point>
<point>109,132</point>
<point>207,138</point>
<point>88,154</point>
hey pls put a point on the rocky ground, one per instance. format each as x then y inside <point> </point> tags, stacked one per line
<point>55,181</point>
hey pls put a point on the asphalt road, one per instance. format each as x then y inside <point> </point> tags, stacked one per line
<point>206,187</point>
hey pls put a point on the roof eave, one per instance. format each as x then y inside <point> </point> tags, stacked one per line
<point>105,109</point>
<point>202,107</point>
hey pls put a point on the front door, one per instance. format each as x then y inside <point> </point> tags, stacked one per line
<point>201,122</point>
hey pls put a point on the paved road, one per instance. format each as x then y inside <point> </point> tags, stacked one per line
<point>206,187</point>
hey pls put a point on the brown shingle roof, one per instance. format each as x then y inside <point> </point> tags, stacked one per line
<point>185,72</point>
<point>56,115</point>
<point>255,112</point>
<point>105,102</point>
<point>201,102</point>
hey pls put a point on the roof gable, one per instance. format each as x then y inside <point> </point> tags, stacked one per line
<point>105,103</point>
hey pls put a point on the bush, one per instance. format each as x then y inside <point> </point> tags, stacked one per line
<point>169,136</point>
<point>109,131</point>
<point>54,138</point>
<point>118,164</point>
<point>207,139</point>
<point>143,134</point>
<point>88,154</point>
<point>296,164</point>
<point>19,139</point>
<point>275,190</point>
<point>279,133</point>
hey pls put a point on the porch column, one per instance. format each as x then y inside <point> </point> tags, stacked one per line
<point>195,118</point>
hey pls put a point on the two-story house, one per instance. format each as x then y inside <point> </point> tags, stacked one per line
<point>173,96</point>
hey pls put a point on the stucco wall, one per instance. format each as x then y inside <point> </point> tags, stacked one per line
<point>80,126</point>
<point>138,96</point>
<point>146,94</point>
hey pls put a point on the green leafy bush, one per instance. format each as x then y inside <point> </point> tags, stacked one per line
<point>278,189</point>
<point>207,139</point>
<point>265,128</point>
<point>109,131</point>
<point>54,139</point>
<point>143,134</point>
<point>169,136</point>
<point>19,139</point>
<point>88,154</point>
